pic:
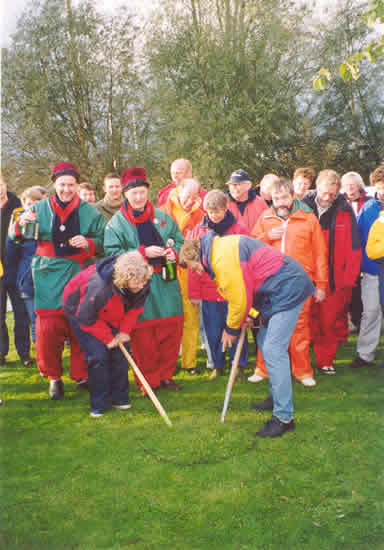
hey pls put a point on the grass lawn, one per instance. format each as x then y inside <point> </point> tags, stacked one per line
<point>128,481</point>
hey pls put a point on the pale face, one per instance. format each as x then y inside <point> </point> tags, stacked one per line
<point>87,195</point>
<point>327,193</point>
<point>180,171</point>
<point>216,215</point>
<point>112,188</point>
<point>135,285</point>
<point>66,187</point>
<point>27,203</point>
<point>301,186</point>
<point>282,202</point>
<point>239,191</point>
<point>188,195</point>
<point>380,191</point>
<point>265,192</point>
<point>195,266</point>
<point>137,197</point>
<point>3,191</point>
<point>351,189</point>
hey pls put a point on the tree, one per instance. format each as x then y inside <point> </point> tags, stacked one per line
<point>226,76</point>
<point>70,86</point>
<point>372,51</point>
<point>350,115</point>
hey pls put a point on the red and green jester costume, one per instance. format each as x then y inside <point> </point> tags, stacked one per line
<point>157,336</point>
<point>55,263</point>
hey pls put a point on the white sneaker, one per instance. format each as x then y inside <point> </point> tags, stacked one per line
<point>96,414</point>
<point>255,378</point>
<point>308,382</point>
<point>122,407</point>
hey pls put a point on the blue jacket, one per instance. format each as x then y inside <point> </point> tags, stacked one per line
<point>17,266</point>
<point>367,215</point>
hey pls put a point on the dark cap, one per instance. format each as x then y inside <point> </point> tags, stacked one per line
<point>238,177</point>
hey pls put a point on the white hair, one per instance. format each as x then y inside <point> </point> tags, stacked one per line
<point>352,175</point>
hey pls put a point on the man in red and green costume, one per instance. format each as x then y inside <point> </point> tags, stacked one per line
<point>139,226</point>
<point>70,232</point>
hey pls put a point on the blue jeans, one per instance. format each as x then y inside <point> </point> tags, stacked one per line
<point>21,329</point>
<point>30,307</point>
<point>203,335</point>
<point>273,341</point>
<point>215,315</point>
<point>107,371</point>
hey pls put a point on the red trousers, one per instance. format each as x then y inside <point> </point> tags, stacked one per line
<point>156,348</point>
<point>52,329</point>
<point>329,327</point>
<point>298,347</point>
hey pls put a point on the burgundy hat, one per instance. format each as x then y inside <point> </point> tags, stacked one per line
<point>63,168</point>
<point>134,177</point>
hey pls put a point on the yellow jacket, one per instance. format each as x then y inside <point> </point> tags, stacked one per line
<point>251,274</point>
<point>375,243</point>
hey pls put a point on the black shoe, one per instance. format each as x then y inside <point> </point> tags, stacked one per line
<point>56,389</point>
<point>266,405</point>
<point>2,360</point>
<point>358,362</point>
<point>27,361</point>
<point>275,428</point>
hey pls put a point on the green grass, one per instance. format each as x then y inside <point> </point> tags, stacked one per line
<point>128,481</point>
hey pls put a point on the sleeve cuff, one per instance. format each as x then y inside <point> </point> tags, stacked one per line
<point>91,248</point>
<point>141,249</point>
<point>233,331</point>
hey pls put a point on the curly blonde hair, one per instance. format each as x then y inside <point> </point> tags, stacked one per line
<point>377,176</point>
<point>190,252</point>
<point>128,266</point>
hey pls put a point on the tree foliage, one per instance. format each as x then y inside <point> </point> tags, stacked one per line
<point>227,74</point>
<point>373,51</point>
<point>226,83</point>
<point>69,85</point>
<point>349,116</point>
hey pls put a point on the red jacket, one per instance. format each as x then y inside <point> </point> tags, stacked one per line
<point>363,198</point>
<point>99,308</point>
<point>202,287</point>
<point>342,236</point>
<point>254,207</point>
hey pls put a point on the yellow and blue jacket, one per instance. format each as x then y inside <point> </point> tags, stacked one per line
<point>251,274</point>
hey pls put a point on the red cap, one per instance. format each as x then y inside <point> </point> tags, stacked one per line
<point>63,168</point>
<point>134,177</point>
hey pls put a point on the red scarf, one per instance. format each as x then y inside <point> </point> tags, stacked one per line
<point>63,213</point>
<point>148,214</point>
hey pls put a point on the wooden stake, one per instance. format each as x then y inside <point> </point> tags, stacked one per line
<point>147,387</point>
<point>233,373</point>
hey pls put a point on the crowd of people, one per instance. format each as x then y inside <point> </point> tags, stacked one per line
<point>298,263</point>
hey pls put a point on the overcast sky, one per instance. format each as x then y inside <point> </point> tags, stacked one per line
<point>10,11</point>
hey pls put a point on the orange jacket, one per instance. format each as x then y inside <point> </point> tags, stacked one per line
<point>303,240</point>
